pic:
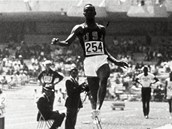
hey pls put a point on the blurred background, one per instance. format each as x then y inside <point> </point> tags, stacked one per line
<point>138,31</point>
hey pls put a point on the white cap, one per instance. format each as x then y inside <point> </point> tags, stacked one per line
<point>47,62</point>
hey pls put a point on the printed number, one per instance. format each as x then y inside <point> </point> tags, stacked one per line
<point>88,45</point>
<point>47,79</point>
<point>100,47</point>
<point>94,47</point>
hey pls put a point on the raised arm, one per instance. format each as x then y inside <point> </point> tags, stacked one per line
<point>69,39</point>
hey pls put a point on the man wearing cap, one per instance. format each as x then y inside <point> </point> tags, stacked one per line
<point>45,109</point>
<point>73,101</point>
<point>48,78</point>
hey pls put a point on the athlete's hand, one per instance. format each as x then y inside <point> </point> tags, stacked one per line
<point>54,41</point>
<point>122,64</point>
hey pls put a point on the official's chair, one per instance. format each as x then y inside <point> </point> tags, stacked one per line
<point>42,123</point>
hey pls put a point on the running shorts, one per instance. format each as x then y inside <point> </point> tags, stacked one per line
<point>93,63</point>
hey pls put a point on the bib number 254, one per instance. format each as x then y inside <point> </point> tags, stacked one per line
<point>94,48</point>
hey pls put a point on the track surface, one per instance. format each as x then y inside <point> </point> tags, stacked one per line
<point>21,113</point>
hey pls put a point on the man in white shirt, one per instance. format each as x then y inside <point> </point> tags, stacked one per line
<point>146,79</point>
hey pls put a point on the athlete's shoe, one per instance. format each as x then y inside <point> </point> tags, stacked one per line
<point>95,116</point>
<point>170,117</point>
<point>146,117</point>
<point>95,121</point>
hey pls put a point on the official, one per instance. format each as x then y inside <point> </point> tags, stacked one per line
<point>45,109</point>
<point>73,102</point>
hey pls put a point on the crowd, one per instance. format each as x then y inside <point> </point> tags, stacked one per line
<point>126,47</point>
<point>20,63</point>
<point>26,61</point>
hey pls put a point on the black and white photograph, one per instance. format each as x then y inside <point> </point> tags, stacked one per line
<point>85,64</point>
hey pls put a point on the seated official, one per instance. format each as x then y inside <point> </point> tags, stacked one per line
<point>44,107</point>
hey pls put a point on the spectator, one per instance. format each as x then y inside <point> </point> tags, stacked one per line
<point>45,109</point>
<point>12,82</point>
<point>3,82</point>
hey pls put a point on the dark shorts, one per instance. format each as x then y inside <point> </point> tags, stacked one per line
<point>146,93</point>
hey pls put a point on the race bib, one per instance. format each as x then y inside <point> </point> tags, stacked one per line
<point>94,48</point>
<point>48,79</point>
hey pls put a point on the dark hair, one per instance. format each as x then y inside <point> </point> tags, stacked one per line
<point>74,70</point>
<point>145,70</point>
<point>90,6</point>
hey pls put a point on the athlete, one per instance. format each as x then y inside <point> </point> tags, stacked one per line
<point>146,79</point>
<point>91,36</point>
<point>168,86</point>
<point>48,78</point>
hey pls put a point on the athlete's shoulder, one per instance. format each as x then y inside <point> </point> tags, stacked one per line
<point>78,28</point>
<point>150,74</point>
<point>102,27</point>
<point>140,75</point>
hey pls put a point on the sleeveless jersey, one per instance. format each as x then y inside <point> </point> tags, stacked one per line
<point>91,40</point>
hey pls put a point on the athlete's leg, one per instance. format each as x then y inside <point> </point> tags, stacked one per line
<point>93,83</point>
<point>143,94</point>
<point>144,107</point>
<point>103,74</point>
<point>170,105</point>
<point>148,100</point>
<point>148,107</point>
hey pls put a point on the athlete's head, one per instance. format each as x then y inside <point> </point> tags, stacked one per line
<point>89,11</point>
<point>145,69</point>
<point>47,64</point>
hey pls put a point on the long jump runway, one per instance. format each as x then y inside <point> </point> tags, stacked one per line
<point>21,113</point>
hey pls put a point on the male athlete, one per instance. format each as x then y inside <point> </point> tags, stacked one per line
<point>48,78</point>
<point>146,79</point>
<point>91,36</point>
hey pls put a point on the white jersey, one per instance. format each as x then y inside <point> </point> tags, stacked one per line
<point>146,80</point>
<point>169,88</point>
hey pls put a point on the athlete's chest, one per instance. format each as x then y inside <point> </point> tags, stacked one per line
<point>146,78</point>
<point>92,34</point>
<point>48,77</point>
<point>91,40</point>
